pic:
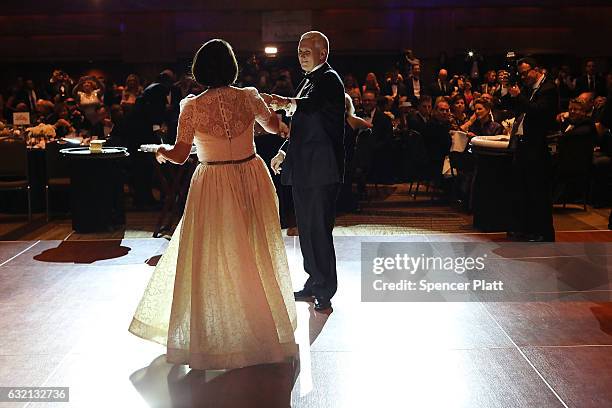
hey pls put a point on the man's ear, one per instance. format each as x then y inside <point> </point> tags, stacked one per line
<point>323,54</point>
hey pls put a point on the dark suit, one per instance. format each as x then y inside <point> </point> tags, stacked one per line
<point>439,89</point>
<point>388,89</point>
<point>410,90</point>
<point>149,110</point>
<point>314,167</point>
<point>532,205</point>
<point>606,120</point>
<point>598,85</point>
<point>382,137</point>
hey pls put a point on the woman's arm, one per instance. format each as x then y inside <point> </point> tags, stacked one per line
<point>177,154</point>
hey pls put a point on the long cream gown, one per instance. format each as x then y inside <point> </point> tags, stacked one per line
<point>221,295</point>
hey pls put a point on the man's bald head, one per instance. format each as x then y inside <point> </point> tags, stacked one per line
<point>313,50</point>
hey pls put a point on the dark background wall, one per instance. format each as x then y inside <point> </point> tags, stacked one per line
<point>146,35</point>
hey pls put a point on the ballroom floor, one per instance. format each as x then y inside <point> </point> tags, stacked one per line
<point>66,306</point>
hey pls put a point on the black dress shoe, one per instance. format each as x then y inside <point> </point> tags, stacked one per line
<point>515,236</point>
<point>322,304</point>
<point>303,295</point>
<point>535,238</point>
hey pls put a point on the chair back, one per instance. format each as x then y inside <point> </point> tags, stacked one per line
<point>57,165</point>
<point>13,159</point>
<point>575,157</point>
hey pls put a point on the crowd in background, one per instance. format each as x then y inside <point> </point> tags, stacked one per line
<point>410,118</point>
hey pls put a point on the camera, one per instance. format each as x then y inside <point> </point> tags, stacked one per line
<point>511,68</point>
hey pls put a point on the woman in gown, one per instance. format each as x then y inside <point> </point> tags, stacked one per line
<point>221,295</point>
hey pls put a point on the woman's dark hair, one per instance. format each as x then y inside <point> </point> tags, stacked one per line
<point>456,98</point>
<point>481,101</point>
<point>214,64</point>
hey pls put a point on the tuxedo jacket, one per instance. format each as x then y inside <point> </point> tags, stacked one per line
<point>387,89</point>
<point>435,90</point>
<point>149,110</point>
<point>540,113</point>
<point>410,90</point>
<point>315,149</point>
<point>582,85</point>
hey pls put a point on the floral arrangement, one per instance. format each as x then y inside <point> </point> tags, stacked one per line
<point>42,130</point>
<point>39,135</point>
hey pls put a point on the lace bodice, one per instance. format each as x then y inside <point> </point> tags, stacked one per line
<point>220,122</point>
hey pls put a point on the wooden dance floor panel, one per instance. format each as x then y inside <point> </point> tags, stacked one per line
<point>66,305</point>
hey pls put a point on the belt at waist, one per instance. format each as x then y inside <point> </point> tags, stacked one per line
<point>214,163</point>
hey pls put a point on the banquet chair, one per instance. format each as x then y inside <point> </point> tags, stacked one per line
<point>58,175</point>
<point>14,173</point>
<point>572,171</point>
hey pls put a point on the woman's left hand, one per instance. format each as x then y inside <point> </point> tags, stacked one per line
<point>159,156</point>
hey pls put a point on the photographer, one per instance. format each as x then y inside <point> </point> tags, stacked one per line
<point>536,107</point>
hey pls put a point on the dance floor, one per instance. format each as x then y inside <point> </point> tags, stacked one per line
<point>66,305</point>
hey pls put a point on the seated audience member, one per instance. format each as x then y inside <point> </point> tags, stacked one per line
<point>351,86</point>
<point>394,86</point>
<point>481,122</point>
<point>498,115</point>
<point>490,84</point>
<point>43,111</point>
<point>565,85</point>
<point>354,121</point>
<point>61,119</point>
<point>458,109</point>
<point>591,81</point>
<point>467,92</point>
<point>414,86</point>
<point>395,91</point>
<point>441,86</point>
<point>418,120</point>
<point>437,138</point>
<point>371,84</point>
<point>103,124</point>
<point>119,133</point>
<point>381,137</point>
<point>131,91</point>
<point>575,151</point>
<point>77,117</point>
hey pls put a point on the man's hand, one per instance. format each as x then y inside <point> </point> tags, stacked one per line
<point>276,162</point>
<point>280,102</point>
<point>514,91</point>
<point>283,130</point>
<point>562,116</point>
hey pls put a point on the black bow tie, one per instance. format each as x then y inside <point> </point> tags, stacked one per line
<point>308,75</point>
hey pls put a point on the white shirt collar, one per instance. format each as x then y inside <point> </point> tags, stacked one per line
<point>317,67</point>
<point>538,82</point>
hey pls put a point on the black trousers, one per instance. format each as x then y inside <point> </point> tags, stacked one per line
<point>532,194</point>
<point>315,212</point>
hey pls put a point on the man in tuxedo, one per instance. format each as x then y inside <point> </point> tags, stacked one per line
<point>313,159</point>
<point>381,137</point>
<point>414,87</point>
<point>536,107</point>
<point>591,81</point>
<point>440,87</point>
<point>418,119</point>
<point>144,124</point>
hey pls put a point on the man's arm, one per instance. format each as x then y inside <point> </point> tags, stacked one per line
<point>545,104</point>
